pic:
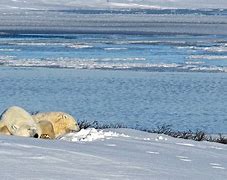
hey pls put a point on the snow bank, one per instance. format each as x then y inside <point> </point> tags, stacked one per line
<point>112,154</point>
<point>91,134</point>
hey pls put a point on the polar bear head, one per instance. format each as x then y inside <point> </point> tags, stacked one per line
<point>19,122</point>
<point>28,130</point>
<point>70,123</point>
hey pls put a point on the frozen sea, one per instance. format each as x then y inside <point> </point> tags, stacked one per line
<point>140,68</point>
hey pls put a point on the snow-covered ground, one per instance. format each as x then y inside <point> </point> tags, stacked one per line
<point>111,154</point>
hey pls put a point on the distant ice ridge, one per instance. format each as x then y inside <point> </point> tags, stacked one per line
<point>79,46</point>
<point>114,49</point>
<point>84,64</point>
<point>216,49</point>
<point>110,64</point>
<point>8,50</point>
<point>6,58</point>
<point>209,57</point>
<point>214,69</point>
<point>90,134</point>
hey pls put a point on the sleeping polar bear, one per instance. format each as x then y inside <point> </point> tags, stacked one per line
<point>62,123</point>
<point>16,121</point>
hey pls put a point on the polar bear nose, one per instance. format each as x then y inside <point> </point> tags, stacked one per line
<point>36,135</point>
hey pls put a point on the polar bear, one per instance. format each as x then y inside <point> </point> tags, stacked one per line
<point>17,121</point>
<point>47,130</point>
<point>63,123</point>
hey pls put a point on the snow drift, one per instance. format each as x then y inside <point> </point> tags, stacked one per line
<point>111,154</point>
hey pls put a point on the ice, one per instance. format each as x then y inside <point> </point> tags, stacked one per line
<point>83,63</point>
<point>216,49</point>
<point>8,50</point>
<point>134,5</point>
<point>209,57</point>
<point>108,63</point>
<point>114,49</point>
<point>80,46</point>
<point>209,69</point>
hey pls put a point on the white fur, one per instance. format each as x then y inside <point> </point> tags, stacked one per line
<point>19,122</point>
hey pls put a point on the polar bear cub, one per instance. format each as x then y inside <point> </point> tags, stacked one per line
<point>17,121</point>
<point>63,123</point>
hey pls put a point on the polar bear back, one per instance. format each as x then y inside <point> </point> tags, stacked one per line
<point>16,118</point>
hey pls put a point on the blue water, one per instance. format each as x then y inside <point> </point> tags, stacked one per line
<point>136,80</point>
<point>136,99</point>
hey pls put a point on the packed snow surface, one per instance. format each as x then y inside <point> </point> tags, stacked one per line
<point>111,154</point>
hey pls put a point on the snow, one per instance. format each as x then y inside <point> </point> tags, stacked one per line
<point>111,154</point>
<point>90,134</point>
